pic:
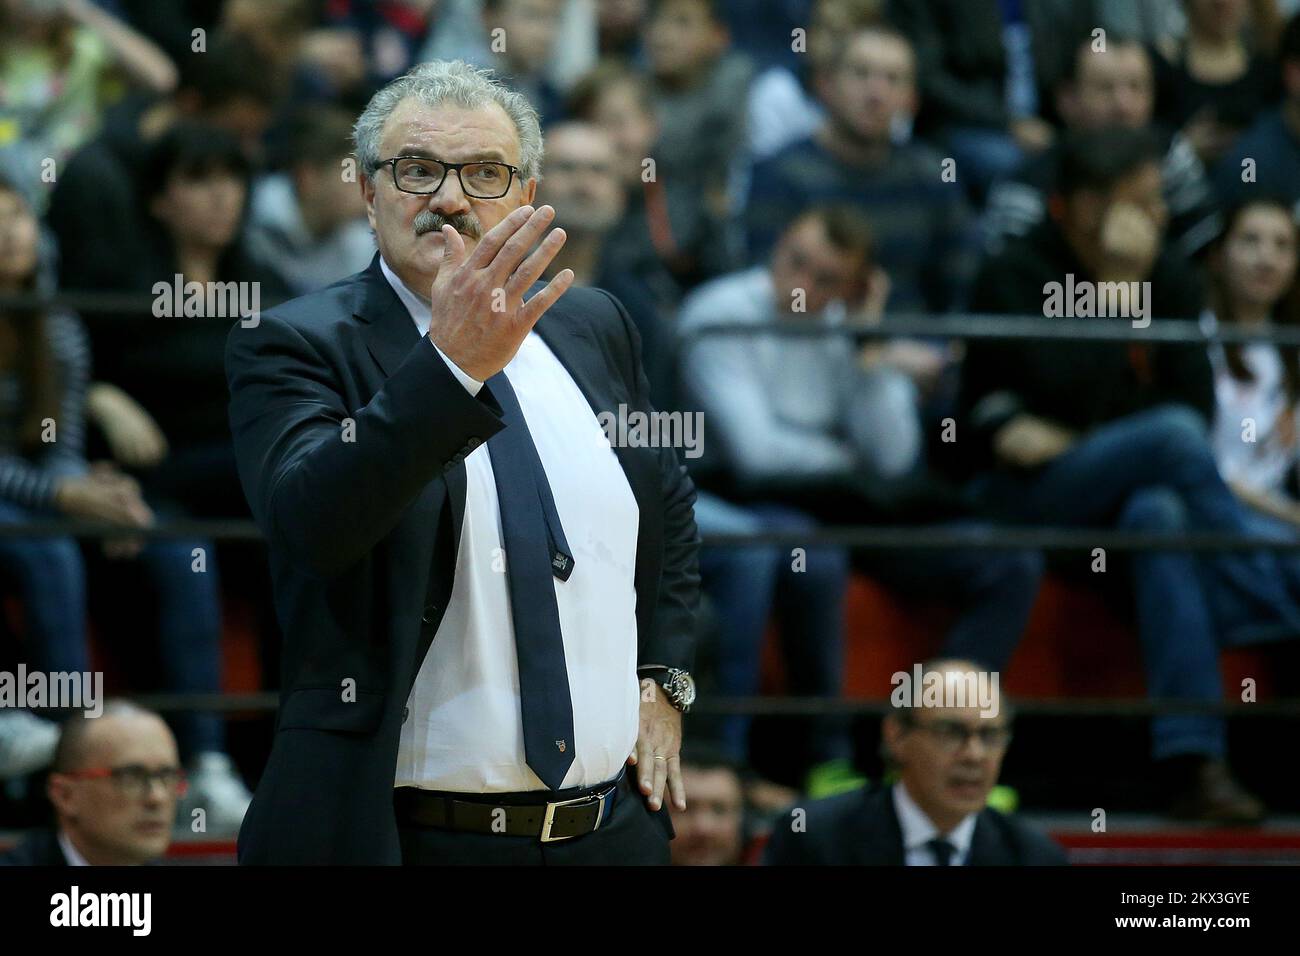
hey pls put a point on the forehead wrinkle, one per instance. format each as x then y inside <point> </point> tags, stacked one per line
<point>467,137</point>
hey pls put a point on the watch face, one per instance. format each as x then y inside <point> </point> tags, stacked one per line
<point>684,688</point>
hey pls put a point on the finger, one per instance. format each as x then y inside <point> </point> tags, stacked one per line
<point>676,785</point>
<point>139,513</point>
<point>453,251</point>
<point>661,777</point>
<point>536,264</point>
<point>536,307</point>
<point>496,237</point>
<point>645,771</point>
<point>507,260</point>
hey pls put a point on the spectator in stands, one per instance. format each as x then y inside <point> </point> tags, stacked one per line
<point>806,589</point>
<point>55,64</point>
<point>620,29</point>
<point>308,223</point>
<point>44,376</point>
<point>115,786</point>
<point>581,180</point>
<point>981,66</point>
<point>193,188</point>
<point>316,63</point>
<point>1105,434</point>
<point>95,211</point>
<point>1211,83</point>
<point>45,399</point>
<point>1272,144</point>
<point>783,104</point>
<point>661,239</point>
<point>948,758</point>
<point>1255,437</point>
<point>711,830</point>
<point>389,32</point>
<point>1108,86</point>
<point>559,39</point>
<point>922,227</point>
<point>698,83</point>
<point>798,421</point>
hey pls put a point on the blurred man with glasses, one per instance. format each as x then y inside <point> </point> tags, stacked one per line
<point>114,786</point>
<point>948,759</point>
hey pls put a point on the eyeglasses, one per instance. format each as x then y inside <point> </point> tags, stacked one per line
<point>134,780</point>
<point>952,735</point>
<point>423,176</point>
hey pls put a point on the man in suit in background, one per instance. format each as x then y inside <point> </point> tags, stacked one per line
<point>487,605</point>
<point>948,758</point>
<point>114,785</point>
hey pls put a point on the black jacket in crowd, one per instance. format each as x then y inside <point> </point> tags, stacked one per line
<point>1077,384</point>
<point>861,828</point>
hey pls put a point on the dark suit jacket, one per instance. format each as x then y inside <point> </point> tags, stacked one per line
<point>363,534</point>
<point>40,848</point>
<point>861,828</point>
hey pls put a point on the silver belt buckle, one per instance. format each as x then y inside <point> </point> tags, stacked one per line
<point>548,820</point>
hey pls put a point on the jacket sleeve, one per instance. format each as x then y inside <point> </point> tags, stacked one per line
<point>673,643</point>
<point>323,493</point>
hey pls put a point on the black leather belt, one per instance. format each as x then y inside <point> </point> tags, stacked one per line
<point>580,811</point>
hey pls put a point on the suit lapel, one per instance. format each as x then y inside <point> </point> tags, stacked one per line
<point>390,335</point>
<point>985,847</point>
<point>388,330</point>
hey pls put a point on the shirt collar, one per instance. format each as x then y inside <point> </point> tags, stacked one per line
<point>418,307</point>
<point>919,830</point>
<point>70,852</point>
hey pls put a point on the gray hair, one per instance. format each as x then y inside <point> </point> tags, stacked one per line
<point>454,81</point>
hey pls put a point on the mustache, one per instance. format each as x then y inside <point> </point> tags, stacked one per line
<point>466,224</point>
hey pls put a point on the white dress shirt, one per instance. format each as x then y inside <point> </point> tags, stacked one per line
<point>464,729</point>
<point>70,852</point>
<point>918,830</point>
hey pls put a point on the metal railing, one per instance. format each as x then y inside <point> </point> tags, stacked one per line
<point>992,537</point>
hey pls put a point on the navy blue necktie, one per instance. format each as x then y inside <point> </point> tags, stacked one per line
<point>536,550</point>
<point>943,851</point>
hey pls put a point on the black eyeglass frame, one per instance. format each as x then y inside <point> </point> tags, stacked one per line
<point>448,168</point>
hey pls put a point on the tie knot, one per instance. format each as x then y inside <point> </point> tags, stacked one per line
<point>942,850</point>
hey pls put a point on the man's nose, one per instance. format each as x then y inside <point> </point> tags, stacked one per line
<point>450,199</point>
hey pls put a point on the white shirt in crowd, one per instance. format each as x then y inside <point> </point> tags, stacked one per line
<point>464,728</point>
<point>918,830</point>
<point>1262,464</point>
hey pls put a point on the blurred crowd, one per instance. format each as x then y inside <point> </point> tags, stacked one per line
<point>755,162</point>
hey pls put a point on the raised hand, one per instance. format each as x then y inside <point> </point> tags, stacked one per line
<point>479,317</point>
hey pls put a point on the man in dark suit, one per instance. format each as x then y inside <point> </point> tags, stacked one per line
<point>487,594</point>
<point>114,784</point>
<point>936,814</point>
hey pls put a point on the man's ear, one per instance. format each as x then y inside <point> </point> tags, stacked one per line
<point>58,789</point>
<point>891,736</point>
<point>529,191</point>
<point>367,184</point>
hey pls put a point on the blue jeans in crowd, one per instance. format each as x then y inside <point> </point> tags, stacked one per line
<point>1153,471</point>
<point>745,583</point>
<point>50,578</point>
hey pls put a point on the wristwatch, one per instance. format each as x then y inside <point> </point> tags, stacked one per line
<point>678,684</point>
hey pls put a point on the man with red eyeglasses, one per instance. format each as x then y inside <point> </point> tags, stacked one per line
<point>114,786</point>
